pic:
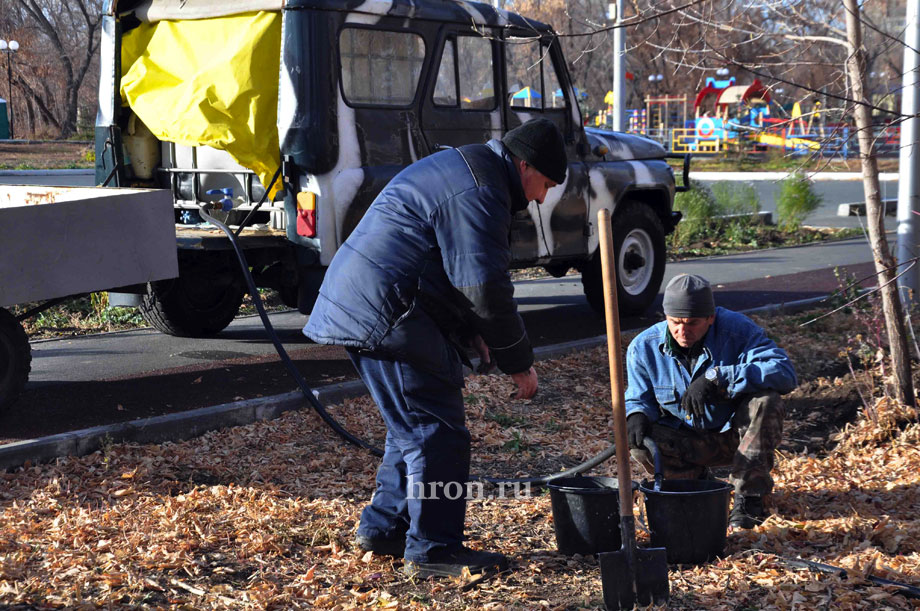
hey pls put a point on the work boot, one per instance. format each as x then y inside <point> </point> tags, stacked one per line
<point>748,512</point>
<point>381,546</point>
<point>452,563</point>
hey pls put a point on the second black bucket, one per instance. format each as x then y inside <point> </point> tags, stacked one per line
<point>688,517</point>
<point>586,514</point>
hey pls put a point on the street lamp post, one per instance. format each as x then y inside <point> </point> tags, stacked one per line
<point>9,47</point>
<point>615,12</point>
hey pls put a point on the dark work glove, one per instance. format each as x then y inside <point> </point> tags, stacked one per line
<point>637,427</point>
<point>700,392</point>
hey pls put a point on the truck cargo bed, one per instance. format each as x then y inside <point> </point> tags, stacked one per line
<point>59,241</point>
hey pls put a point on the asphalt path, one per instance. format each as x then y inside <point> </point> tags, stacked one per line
<point>834,188</point>
<point>95,380</point>
<point>101,379</point>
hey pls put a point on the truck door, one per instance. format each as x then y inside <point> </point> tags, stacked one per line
<point>537,85</point>
<point>381,68</point>
<point>461,105</point>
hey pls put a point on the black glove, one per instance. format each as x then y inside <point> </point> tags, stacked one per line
<point>700,392</point>
<point>637,427</point>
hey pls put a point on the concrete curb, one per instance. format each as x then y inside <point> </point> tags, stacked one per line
<point>859,208</point>
<point>193,423</point>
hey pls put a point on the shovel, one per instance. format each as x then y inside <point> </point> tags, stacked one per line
<point>630,576</point>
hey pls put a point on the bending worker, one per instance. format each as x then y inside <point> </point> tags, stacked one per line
<point>705,384</point>
<point>425,273</point>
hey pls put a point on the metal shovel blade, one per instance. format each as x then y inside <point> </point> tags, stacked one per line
<point>624,589</point>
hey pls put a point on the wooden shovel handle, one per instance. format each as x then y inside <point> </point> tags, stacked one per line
<point>614,356</point>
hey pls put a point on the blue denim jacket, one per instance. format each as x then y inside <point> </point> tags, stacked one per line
<point>747,359</point>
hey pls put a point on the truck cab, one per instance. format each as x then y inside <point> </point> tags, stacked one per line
<point>314,105</point>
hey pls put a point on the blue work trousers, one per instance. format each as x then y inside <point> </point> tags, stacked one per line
<point>421,482</point>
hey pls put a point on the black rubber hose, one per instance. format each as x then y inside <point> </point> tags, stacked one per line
<point>261,201</point>
<point>292,369</point>
<point>332,422</point>
<point>542,480</point>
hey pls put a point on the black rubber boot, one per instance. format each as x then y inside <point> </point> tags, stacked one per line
<point>451,564</point>
<point>748,512</point>
<point>382,547</point>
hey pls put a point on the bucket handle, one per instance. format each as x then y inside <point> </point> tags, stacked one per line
<point>652,447</point>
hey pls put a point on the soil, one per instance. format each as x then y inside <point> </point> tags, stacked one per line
<point>46,155</point>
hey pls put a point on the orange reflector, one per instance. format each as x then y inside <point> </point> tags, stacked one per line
<point>306,214</point>
<point>306,200</point>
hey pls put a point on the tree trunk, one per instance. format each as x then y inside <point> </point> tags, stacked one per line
<point>71,29</point>
<point>881,253</point>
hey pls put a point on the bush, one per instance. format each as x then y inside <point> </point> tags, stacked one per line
<point>698,206</point>
<point>702,206</point>
<point>736,198</point>
<point>797,199</point>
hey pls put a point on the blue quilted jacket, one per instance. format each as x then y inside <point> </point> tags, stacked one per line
<point>430,260</point>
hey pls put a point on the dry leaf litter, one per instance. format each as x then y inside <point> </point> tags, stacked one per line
<point>262,516</point>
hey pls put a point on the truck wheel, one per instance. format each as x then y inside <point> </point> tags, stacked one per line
<point>638,242</point>
<point>15,359</point>
<point>202,301</point>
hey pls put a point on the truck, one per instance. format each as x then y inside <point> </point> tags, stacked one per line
<point>288,117</point>
<point>58,242</point>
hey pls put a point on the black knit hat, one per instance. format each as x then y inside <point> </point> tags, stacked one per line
<point>688,296</point>
<point>539,143</point>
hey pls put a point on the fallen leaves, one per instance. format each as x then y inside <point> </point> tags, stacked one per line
<point>263,515</point>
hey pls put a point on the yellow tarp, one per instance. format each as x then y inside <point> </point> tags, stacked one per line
<point>209,82</point>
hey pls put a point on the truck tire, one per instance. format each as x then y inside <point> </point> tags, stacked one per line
<point>201,302</point>
<point>15,359</point>
<point>638,243</point>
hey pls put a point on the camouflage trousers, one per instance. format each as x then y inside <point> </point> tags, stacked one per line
<point>747,446</point>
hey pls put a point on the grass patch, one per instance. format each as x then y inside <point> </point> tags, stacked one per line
<point>722,219</point>
<point>506,420</point>
<point>80,316</point>
<point>727,211</point>
<point>92,314</point>
<point>735,239</point>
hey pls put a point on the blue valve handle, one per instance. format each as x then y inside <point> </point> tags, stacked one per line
<point>226,202</point>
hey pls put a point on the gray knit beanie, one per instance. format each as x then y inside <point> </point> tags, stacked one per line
<point>688,296</point>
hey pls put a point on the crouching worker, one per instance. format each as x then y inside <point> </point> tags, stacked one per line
<point>705,384</point>
<point>425,270</point>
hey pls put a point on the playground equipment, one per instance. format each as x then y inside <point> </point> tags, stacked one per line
<point>526,97</point>
<point>664,113</point>
<point>740,117</point>
<point>745,118</point>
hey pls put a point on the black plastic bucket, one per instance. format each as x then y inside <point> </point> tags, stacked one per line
<point>688,517</point>
<point>586,514</point>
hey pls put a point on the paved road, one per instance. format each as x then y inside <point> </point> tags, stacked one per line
<point>55,178</point>
<point>834,189</point>
<point>828,185</point>
<point>89,381</point>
